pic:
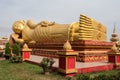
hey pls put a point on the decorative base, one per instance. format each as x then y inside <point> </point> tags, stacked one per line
<point>80,66</point>
<point>92,57</point>
<point>89,51</point>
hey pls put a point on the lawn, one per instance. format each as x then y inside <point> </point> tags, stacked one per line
<point>24,71</point>
<point>104,75</point>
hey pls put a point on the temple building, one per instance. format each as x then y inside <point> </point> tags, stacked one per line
<point>3,41</point>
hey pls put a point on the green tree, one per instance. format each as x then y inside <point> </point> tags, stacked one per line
<point>16,57</point>
<point>7,51</point>
<point>7,48</point>
<point>16,49</point>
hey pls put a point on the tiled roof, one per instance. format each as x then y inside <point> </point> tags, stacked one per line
<point>3,41</point>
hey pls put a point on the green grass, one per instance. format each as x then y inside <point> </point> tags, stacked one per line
<point>24,71</point>
<point>111,73</point>
<point>106,72</point>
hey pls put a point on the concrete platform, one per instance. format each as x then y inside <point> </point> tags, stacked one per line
<point>81,66</point>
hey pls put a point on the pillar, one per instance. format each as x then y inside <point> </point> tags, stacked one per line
<point>26,52</point>
<point>67,60</point>
<point>114,57</point>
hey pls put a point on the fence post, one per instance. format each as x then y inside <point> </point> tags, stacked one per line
<point>67,59</point>
<point>26,52</point>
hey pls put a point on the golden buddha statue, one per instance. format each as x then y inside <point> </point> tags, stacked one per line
<point>42,32</point>
<point>45,31</point>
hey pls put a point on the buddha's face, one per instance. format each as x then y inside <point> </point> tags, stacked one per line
<point>18,27</point>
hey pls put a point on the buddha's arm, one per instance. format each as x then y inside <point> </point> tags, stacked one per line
<point>16,38</point>
<point>31,24</point>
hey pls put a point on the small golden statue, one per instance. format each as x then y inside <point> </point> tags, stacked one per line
<point>116,47</point>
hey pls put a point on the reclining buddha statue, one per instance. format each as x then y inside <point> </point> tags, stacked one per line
<point>45,31</point>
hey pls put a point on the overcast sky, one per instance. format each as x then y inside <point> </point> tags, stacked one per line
<point>60,11</point>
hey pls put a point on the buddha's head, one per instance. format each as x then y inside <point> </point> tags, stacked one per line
<point>18,26</point>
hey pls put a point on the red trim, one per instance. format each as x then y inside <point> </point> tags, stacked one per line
<point>95,69</point>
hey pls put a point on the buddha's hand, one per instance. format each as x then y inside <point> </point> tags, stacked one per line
<point>21,41</point>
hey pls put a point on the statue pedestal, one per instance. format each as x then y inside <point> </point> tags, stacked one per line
<point>89,51</point>
<point>115,59</point>
<point>92,51</point>
<point>67,61</point>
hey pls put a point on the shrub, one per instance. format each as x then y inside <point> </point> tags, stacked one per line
<point>16,49</point>
<point>1,54</point>
<point>46,64</point>
<point>16,59</point>
<point>7,48</point>
<point>83,77</point>
<point>7,51</point>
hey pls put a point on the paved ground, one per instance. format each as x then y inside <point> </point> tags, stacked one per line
<point>38,59</point>
<point>2,59</point>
